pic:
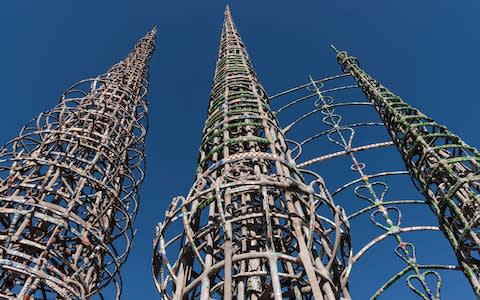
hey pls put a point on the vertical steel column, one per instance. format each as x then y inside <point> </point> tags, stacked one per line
<point>444,167</point>
<point>69,183</point>
<point>250,224</point>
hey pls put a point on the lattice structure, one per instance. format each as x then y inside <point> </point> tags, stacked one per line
<point>253,227</point>
<point>68,193</point>
<point>334,129</point>
<point>350,137</point>
<point>444,167</point>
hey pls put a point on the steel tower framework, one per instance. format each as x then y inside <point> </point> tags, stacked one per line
<point>253,226</point>
<point>350,138</point>
<point>348,141</point>
<point>445,169</point>
<point>68,190</point>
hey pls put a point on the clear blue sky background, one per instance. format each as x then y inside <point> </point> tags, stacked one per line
<point>426,51</point>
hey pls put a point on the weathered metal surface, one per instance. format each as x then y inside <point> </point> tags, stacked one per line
<point>445,169</point>
<point>69,183</point>
<point>252,226</point>
<point>324,120</point>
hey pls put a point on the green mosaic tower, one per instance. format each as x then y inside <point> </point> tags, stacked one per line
<point>249,224</point>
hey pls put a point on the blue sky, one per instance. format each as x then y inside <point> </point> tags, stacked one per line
<point>425,51</point>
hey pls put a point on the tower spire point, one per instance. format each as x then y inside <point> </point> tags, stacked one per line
<point>227,13</point>
<point>334,48</point>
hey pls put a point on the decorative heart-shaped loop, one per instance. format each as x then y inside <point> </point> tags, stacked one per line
<point>406,251</point>
<point>342,137</point>
<point>332,120</point>
<point>323,100</point>
<point>315,86</point>
<point>327,110</point>
<point>357,166</point>
<point>425,292</point>
<point>382,217</point>
<point>372,192</point>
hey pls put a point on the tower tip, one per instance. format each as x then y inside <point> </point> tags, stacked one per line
<point>154,29</point>
<point>227,10</point>
<point>334,49</point>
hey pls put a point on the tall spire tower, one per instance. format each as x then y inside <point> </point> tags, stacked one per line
<point>250,224</point>
<point>445,169</point>
<point>68,188</point>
